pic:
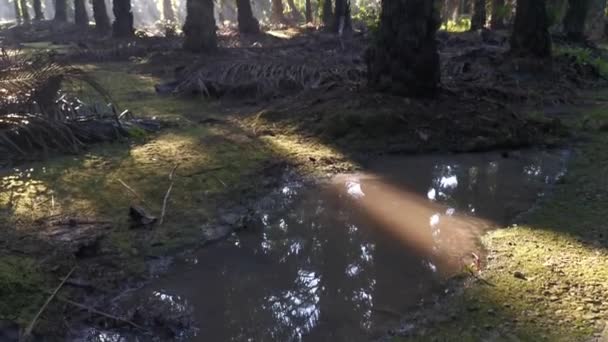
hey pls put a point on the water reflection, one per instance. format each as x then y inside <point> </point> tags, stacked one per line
<point>331,261</point>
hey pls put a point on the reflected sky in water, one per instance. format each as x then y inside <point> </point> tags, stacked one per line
<point>328,262</point>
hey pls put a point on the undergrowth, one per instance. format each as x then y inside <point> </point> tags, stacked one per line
<point>585,56</point>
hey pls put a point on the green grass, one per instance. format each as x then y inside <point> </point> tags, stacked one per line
<point>20,287</point>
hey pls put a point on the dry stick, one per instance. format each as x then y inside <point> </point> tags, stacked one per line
<point>30,327</point>
<point>162,214</point>
<point>101,313</point>
<point>221,181</point>
<point>134,193</point>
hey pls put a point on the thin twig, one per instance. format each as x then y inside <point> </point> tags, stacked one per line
<point>221,181</point>
<point>32,324</point>
<point>134,193</point>
<point>173,172</point>
<point>101,313</point>
<point>162,214</point>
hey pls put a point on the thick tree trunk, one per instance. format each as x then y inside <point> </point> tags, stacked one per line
<point>596,20</point>
<point>81,17</point>
<point>327,13</point>
<point>531,30</point>
<point>498,14</point>
<point>247,22</point>
<point>38,14</point>
<point>25,14</point>
<point>123,19</point>
<point>276,15</point>
<point>168,12</point>
<point>342,20</point>
<point>405,59</point>
<point>478,21</point>
<point>199,29</point>
<point>100,13</point>
<point>61,10</point>
<point>308,11</point>
<point>574,21</point>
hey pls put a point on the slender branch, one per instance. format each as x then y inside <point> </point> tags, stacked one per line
<point>101,313</point>
<point>134,193</point>
<point>162,214</point>
<point>32,324</point>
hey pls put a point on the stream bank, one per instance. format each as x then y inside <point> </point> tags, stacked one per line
<point>228,162</point>
<point>544,279</point>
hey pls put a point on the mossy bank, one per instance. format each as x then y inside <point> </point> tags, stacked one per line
<point>545,279</point>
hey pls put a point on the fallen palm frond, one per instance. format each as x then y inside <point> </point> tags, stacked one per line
<point>263,75</point>
<point>38,113</point>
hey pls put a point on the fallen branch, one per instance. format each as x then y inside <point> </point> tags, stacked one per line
<point>162,213</point>
<point>32,324</point>
<point>134,193</point>
<point>101,313</point>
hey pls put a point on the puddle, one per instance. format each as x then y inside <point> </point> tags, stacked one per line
<point>336,262</point>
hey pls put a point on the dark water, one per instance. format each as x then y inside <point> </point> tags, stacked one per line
<point>338,262</point>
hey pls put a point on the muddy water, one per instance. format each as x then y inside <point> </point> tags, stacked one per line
<point>337,261</point>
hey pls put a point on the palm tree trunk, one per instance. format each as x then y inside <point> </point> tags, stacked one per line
<point>18,18</point>
<point>405,60</point>
<point>168,12</point>
<point>308,11</point>
<point>200,29</point>
<point>276,10</point>
<point>61,11</point>
<point>247,22</point>
<point>38,14</point>
<point>293,11</point>
<point>100,14</point>
<point>531,30</point>
<point>25,14</point>
<point>478,21</point>
<point>596,20</point>
<point>123,22</point>
<point>342,20</point>
<point>81,17</point>
<point>574,21</point>
<point>498,14</point>
<point>327,13</point>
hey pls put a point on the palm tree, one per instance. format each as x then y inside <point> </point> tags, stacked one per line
<point>531,30</point>
<point>405,58</point>
<point>199,29</point>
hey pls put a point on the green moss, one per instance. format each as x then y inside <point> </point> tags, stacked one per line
<point>212,160</point>
<point>562,250</point>
<point>20,288</point>
<point>135,92</point>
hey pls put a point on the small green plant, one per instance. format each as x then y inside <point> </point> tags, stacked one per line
<point>585,56</point>
<point>369,15</point>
